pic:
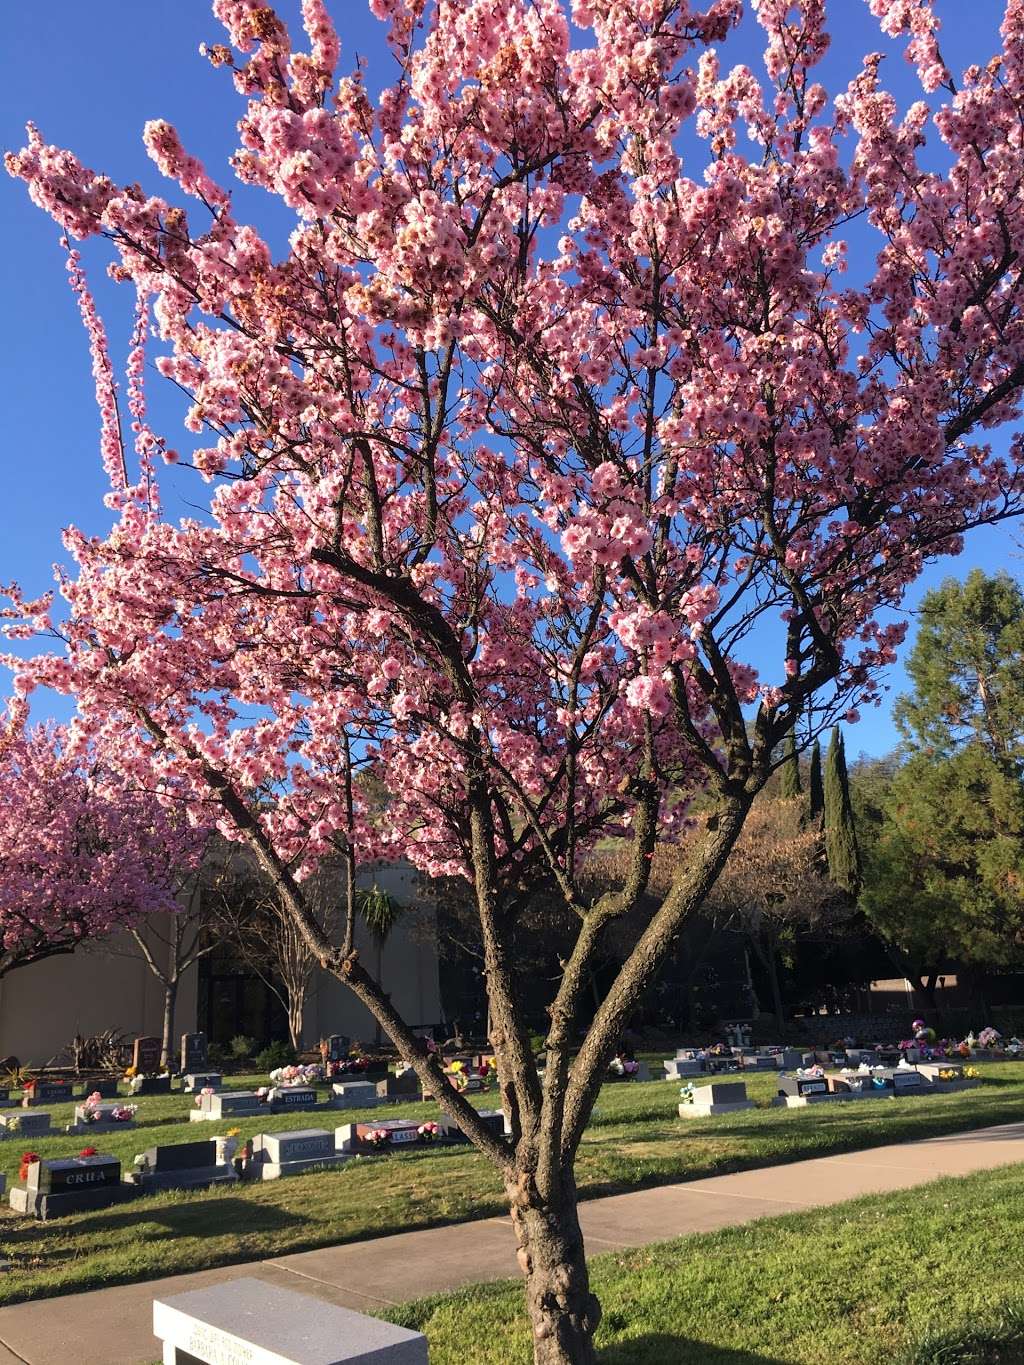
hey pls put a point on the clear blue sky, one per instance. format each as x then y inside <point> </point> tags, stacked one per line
<point>90,76</point>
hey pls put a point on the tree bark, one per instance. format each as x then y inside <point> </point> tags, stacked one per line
<point>296,1009</point>
<point>772,957</point>
<point>563,1311</point>
<point>170,1003</point>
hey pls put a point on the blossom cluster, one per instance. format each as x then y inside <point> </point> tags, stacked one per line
<point>529,433</point>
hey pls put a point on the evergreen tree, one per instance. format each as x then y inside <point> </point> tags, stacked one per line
<point>840,836</point>
<point>967,667</point>
<point>790,786</point>
<point>815,791</point>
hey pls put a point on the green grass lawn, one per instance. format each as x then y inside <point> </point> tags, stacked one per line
<point>931,1276</point>
<point>635,1139</point>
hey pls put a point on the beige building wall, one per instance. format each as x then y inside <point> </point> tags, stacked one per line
<point>108,986</point>
<point>100,987</point>
<point>406,966</point>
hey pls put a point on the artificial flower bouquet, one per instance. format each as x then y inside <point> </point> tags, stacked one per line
<point>118,1113</point>
<point>297,1075</point>
<point>428,1131</point>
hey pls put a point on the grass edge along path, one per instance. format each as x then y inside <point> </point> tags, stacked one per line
<point>928,1276</point>
<point>635,1141</point>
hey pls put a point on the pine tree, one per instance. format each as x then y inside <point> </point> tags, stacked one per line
<point>840,836</point>
<point>790,785</point>
<point>815,792</point>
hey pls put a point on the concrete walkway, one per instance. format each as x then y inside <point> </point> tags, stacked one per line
<point>113,1326</point>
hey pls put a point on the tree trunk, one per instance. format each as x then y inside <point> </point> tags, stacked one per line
<point>170,1003</point>
<point>563,1311</point>
<point>927,986</point>
<point>772,959</point>
<point>296,1009</point>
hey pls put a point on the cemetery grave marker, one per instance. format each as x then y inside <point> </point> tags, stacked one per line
<point>354,1095</point>
<point>103,1122</point>
<point>47,1092</point>
<point>201,1080</point>
<point>18,1123</point>
<point>104,1086</point>
<point>251,1322</point>
<point>56,1187</point>
<point>285,1097</point>
<point>226,1104</point>
<point>195,1055</point>
<point>180,1166</point>
<point>402,1087</point>
<point>721,1097</point>
<point>338,1045</point>
<point>278,1154</point>
<point>146,1054</point>
<point>450,1132</point>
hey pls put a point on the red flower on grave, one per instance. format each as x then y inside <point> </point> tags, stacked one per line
<point>88,1151</point>
<point>27,1159</point>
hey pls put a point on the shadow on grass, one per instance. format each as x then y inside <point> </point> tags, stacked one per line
<point>241,1216</point>
<point>657,1348</point>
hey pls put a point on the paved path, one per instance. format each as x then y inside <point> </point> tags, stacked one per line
<point>112,1326</point>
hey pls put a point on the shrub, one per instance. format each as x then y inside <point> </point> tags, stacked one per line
<point>275,1055</point>
<point>242,1047</point>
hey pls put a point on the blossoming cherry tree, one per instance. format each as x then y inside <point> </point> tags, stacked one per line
<point>550,481</point>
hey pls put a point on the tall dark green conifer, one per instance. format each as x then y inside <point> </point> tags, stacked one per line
<point>815,791</point>
<point>840,836</point>
<point>789,773</point>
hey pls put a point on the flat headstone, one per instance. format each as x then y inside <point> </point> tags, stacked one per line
<point>151,1085</point>
<point>252,1322</point>
<point>493,1119</point>
<point>721,1092</point>
<point>227,1103</point>
<point>54,1188</point>
<point>181,1166</point>
<point>932,1070</point>
<point>99,1118</point>
<point>202,1080</point>
<point>401,1133</point>
<point>676,1068</point>
<point>803,1085</point>
<point>281,1154</point>
<point>48,1092</point>
<point>22,1123</point>
<point>194,1052</point>
<point>354,1095</point>
<point>181,1156</point>
<point>104,1086</point>
<point>293,1097</point>
<point>303,1144</point>
<point>146,1054</point>
<point>63,1174</point>
<point>404,1087</point>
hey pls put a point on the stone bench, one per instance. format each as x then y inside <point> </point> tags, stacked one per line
<point>252,1322</point>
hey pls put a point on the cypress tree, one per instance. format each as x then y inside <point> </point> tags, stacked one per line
<point>815,792</point>
<point>789,773</point>
<point>840,836</point>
